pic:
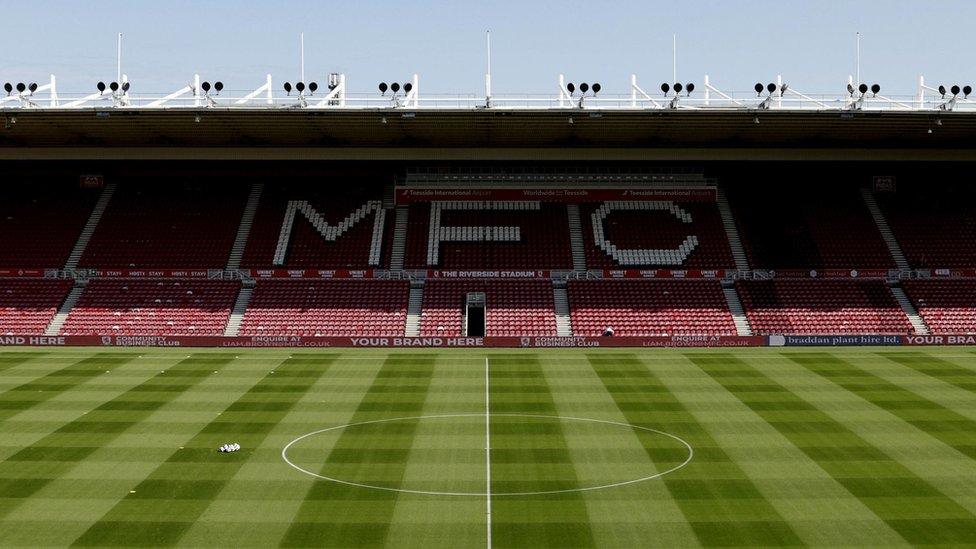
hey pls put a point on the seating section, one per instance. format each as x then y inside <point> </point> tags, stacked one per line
<point>822,307</point>
<point>28,305</point>
<point>152,307</point>
<point>807,223</point>
<point>167,225</point>
<point>512,307</point>
<point>946,306</point>
<point>489,235</point>
<point>40,222</point>
<point>327,308</point>
<point>649,307</point>
<point>936,229</point>
<point>689,235</point>
<point>307,247</point>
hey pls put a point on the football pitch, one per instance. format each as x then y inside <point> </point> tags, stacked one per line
<point>488,448</point>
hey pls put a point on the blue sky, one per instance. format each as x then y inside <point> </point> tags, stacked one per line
<point>736,42</point>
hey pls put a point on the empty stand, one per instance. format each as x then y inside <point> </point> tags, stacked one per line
<point>936,228</point>
<point>649,307</point>
<point>304,245</point>
<point>499,236</point>
<point>40,221</point>
<point>327,308</point>
<point>809,224</point>
<point>512,307</point>
<point>28,305</point>
<point>668,235</point>
<point>947,306</point>
<point>822,307</point>
<point>167,224</point>
<point>152,307</point>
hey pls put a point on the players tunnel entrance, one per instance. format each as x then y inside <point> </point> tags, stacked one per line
<point>474,314</point>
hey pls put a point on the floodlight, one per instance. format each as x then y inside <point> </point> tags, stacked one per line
<point>33,87</point>
<point>955,89</point>
<point>114,86</point>
<point>677,87</point>
<point>218,85</point>
<point>966,90</point>
<point>863,88</point>
<point>758,87</point>
<point>690,87</point>
<point>300,87</point>
<point>395,87</point>
<point>205,86</point>
<point>383,87</point>
<point>850,89</point>
<point>875,89</point>
<point>665,87</point>
<point>584,87</point>
<point>125,86</point>
<point>942,90</point>
<point>287,87</point>
<point>101,87</point>
<point>596,87</point>
<point>407,86</point>
<point>312,87</point>
<point>8,88</point>
<point>21,87</point>
<point>771,87</point>
<point>571,87</point>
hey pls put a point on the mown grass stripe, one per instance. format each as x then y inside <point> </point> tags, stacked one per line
<point>202,472</point>
<point>936,368</point>
<point>948,426</point>
<point>912,507</point>
<point>519,385</point>
<point>58,452</point>
<point>9,359</point>
<point>34,392</point>
<point>321,519</point>
<point>640,396</point>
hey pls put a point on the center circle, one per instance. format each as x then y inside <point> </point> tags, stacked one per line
<point>514,450</point>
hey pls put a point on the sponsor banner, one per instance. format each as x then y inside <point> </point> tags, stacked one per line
<point>564,195</point>
<point>884,183</point>
<point>831,273</point>
<point>663,273</point>
<point>91,181</point>
<point>945,339</point>
<point>25,273</point>
<point>951,273</point>
<point>834,340</point>
<point>310,273</point>
<point>149,273</point>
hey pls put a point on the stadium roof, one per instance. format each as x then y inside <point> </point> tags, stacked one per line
<point>486,134</point>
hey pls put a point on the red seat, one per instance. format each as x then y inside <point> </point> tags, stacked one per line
<point>28,305</point>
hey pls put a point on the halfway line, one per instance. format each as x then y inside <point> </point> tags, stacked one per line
<point>488,447</point>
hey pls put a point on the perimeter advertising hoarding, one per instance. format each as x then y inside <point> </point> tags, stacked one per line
<point>381,341</point>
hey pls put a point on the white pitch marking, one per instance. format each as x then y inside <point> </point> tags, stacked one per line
<point>691,455</point>
<point>488,446</point>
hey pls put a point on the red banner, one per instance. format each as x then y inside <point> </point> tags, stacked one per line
<point>831,273</point>
<point>23,273</point>
<point>150,273</point>
<point>563,195</point>
<point>664,273</point>
<point>310,273</point>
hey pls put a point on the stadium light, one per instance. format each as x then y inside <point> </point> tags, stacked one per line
<point>114,86</point>
<point>8,87</point>
<point>759,88</point>
<point>395,87</point>
<point>407,86</point>
<point>584,87</point>
<point>101,87</point>
<point>21,87</point>
<point>287,86</point>
<point>596,88</point>
<point>966,90</point>
<point>955,89</point>
<point>665,87</point>
<point>383,87</point>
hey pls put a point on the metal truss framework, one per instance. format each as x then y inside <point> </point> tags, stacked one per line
<point>777,96</point>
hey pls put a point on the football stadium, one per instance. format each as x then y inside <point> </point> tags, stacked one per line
<point>291,312</point>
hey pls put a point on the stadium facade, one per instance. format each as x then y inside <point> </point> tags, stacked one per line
<point>640,221</point>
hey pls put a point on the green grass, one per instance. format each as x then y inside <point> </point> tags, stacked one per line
<point>795,447</point>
